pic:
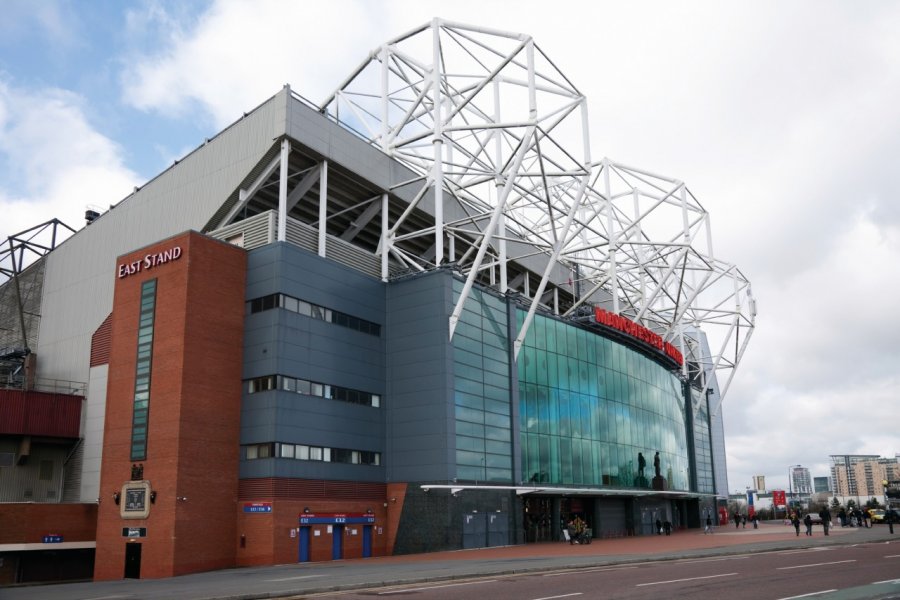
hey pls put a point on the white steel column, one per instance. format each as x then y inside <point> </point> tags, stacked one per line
<point>282,190</point>
<point>437,143</point>
<point>323,206</point>
<point>498,184</point>
<point>385,244</point>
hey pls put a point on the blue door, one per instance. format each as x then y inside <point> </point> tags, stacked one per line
<point>367,541</point>
<point>337,542</point>
<point>304,544</point>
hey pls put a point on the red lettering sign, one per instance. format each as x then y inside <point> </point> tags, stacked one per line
<point>638,332</point>
<point>148,262</point>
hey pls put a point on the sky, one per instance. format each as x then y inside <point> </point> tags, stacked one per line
<point>783,118</point>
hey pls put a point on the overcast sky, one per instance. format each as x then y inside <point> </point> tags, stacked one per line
<point>783,118</point>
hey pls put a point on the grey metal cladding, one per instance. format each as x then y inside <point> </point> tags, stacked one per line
<point>419,407</point>
<point>286,343</point>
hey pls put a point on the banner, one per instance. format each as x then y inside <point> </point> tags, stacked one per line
<point>778,498</point>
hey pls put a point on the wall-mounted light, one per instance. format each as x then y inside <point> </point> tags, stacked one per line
<point>306,510</point>
<point>368,511</point>
<point>153,497</point>
<point>182,498</point>
<point>116,498</point>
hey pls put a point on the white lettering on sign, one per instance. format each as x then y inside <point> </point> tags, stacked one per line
<point>149,261</point>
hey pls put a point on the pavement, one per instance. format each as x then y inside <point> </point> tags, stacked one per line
<point>308,578</point>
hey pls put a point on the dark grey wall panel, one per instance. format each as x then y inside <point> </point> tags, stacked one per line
<point>280,342</point>
<point>419,411</point>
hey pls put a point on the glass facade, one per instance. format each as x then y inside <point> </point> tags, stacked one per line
<point>141,412</point>
<point>588,406</point>
<point>481,389</point>
<point>706,482</point>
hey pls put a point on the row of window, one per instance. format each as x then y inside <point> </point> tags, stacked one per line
<point>306,452</point>
<point>311,388</point>
<point>141,401</point>
<point>314,311</point>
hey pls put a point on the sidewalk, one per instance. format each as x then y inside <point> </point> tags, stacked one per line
<point>723,538</point>
<point>307,578</point>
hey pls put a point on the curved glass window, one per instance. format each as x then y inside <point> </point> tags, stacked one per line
<point>589,406</point>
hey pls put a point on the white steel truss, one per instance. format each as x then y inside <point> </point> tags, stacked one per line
<point>499,140</point>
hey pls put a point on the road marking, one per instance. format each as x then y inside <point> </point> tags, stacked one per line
<point>297,577</point>
<point>808,595</point>
<point>574,571</point>
<point>563,596</point>
<point>688,579</point>
<point>690,562</point>
<point>893,581</point>
<point>109,597</point>
<point>837,562</point>
<point>434,587</point>
<point>893,556</point>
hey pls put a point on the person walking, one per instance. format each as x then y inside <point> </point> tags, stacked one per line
<point>807,520</point>
<point>795,521</point>
<point>708,524</point>
<point>825,514</point>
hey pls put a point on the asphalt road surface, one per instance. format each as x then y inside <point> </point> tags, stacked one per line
<point>768,563</point>
<point>860,571</point>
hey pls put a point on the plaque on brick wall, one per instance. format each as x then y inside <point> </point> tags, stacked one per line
<point>135,500</point>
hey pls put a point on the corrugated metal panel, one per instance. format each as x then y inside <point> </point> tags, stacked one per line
<point>72,475</point>
<point>39,413</point>
<point>80,273</point>
<point>101,342</point>
<point>260,230</point>
<point>256,231</point>
<point>32,481</point>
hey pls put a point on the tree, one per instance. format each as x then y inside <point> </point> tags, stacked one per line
<point>872,503</point>
<point>835,503</point>
<point>851,504</point>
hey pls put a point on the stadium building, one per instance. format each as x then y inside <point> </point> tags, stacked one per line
<point>416,316</point>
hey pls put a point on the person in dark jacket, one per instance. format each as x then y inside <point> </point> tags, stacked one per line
<point>825,515</point>
<point>807,520</point>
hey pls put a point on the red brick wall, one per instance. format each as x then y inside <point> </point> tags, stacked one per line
<point>194,414</point>
<point>27,523</point>
<point>268,540</point>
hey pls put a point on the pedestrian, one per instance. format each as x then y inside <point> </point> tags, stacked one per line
<point>667,527</point>
<point>658,527</point>
<point>708,524</point>
<point>866,517</point>
<point>737,520</point>
<point>744,521</point>
<point>795,521</point>
<point>807,520</point>
<point>755,521</point>
<point>825,515</point>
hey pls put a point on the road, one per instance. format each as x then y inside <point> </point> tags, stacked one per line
<point>857,571</point>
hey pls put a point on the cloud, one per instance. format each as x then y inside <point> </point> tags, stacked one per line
<point>238,53</point>
<point>54,163</point>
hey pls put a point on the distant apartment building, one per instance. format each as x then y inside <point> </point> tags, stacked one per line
<point>759,483</point>
<point>821,485</point>
<point>800,483</point>
<point>861,475</point>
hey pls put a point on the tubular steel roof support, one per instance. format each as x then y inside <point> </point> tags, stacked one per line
<point>489,125</point>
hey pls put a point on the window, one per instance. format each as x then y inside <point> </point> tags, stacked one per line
<point>141,397</point>
<point>304,452</point>
<point>315,311</point>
